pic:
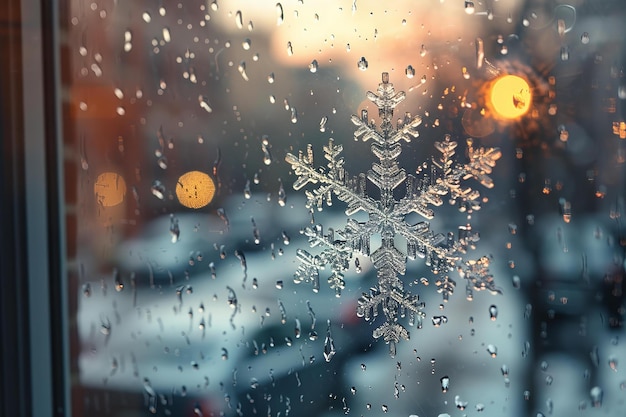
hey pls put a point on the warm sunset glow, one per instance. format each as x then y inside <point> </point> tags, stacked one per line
<point>510,97</point>
<point>110,189</point>
<point>195,189</point>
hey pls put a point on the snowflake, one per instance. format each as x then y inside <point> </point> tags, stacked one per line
<point>387,216</point>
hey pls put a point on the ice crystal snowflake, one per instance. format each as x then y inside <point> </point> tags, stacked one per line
<point>387,216</point>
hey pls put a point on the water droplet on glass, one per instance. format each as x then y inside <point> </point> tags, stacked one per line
<point>564,53</point>
<point>166,34</point>
<point>313,66</point>
<point>493,312</point>
<point>289,49</point>
<point>460,404</point>
<point>584,38</point>
<point>410,72</point>
<point>97,71</point>
<point>517,283</point>
<point>439,320</point>
<point>246,44</point>
<point>613,363</point>
<point>492,350</point>
<point>294,115</point>
<point>158,190</point>
<point>528,309</point>
<point>445,383</point>
<point>596,396</point>
<point>469,7</point>
<point>362,64</point>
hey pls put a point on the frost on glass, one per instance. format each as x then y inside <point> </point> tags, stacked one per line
<point>387,216</point>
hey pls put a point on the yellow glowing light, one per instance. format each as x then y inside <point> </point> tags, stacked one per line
<point>510,97</point>
<point>195,189</point>
<point>110,189</point>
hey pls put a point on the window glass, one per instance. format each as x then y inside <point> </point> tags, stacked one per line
<point>345,207</point>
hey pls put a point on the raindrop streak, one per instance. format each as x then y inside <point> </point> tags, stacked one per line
<point>285,238</point>
<point>204,103</point>
<point>312,333</point>
<point>329,345</point>
<point>280,17</point>
<point>242,70</point>
<point>362,64</point>
<point>283,312</point>
<point>247,194</point>
<point>255,232</point>
<point>297,329</point>
<point>480,53</point>
<point>282,195</point>
<point>174,229</point>
<point>239,19</point>
<point>221,213</point>
<point>323,124</point>
<point>265,147</point>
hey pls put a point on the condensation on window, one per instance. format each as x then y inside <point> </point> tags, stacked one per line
<point>323,208</point>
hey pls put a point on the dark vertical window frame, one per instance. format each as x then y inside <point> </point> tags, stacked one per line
<point>38,202</point>
<point>14,348</point>
<point>50,141</point>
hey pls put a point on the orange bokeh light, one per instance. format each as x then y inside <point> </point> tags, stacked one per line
<point>110,189</point>
<point>195,189</point>
<point>510,97</point>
